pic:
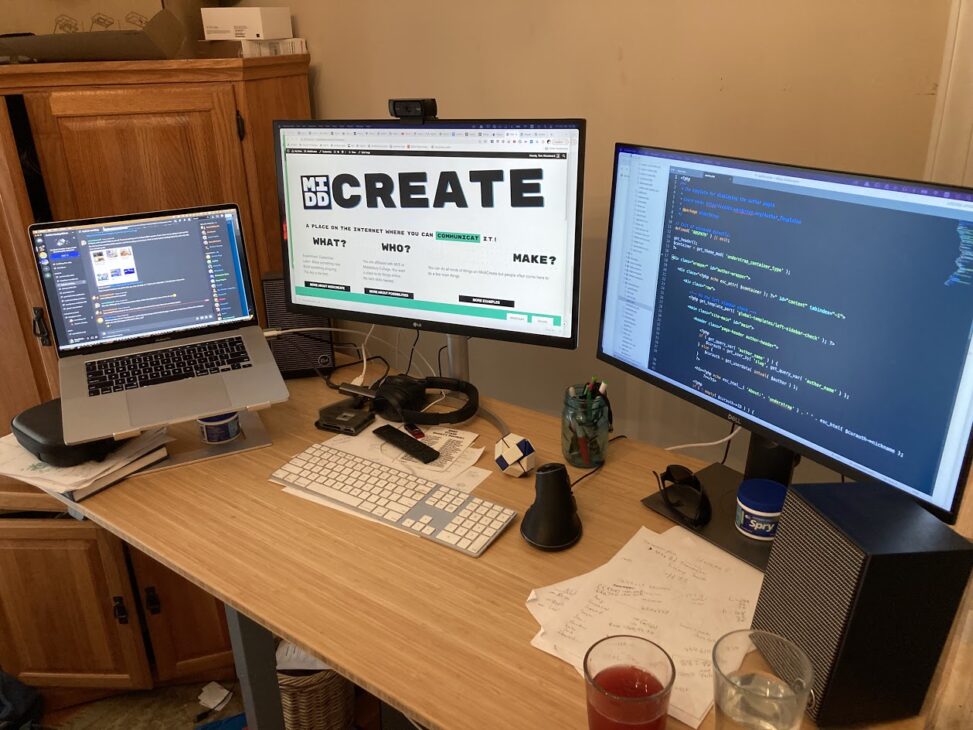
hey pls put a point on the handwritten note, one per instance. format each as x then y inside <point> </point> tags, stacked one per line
<point>675,589</point>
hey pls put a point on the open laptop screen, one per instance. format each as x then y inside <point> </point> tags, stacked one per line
<point>112,280</point>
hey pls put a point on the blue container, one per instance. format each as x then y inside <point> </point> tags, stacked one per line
<point>219,429</point>
<point>759,502</point>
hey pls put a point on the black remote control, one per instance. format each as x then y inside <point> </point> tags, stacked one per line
<point>406,443</point>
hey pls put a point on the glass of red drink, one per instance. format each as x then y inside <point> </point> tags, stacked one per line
<point>628,680</point>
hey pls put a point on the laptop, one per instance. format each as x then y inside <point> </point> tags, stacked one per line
<point>153,319</point>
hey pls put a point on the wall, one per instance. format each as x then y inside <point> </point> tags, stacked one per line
<point>846,85</point>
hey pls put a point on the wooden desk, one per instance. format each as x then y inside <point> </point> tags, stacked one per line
<point>443,637</point>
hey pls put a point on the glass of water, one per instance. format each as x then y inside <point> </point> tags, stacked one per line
<point>762,681</point>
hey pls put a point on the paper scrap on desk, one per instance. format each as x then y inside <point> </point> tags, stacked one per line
<point>18,463</point>
<point>214,696</point>
<point>369,446</point>
<point>675,589</point>
<point>293,657</point>
<point>449,442</point>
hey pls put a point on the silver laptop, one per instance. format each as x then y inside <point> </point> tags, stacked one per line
<point>153,319</point>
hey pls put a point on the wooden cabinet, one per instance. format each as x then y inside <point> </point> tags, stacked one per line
<point>187,626</point>
<point>67,613</point>
<point>122,137</point>
<point>80,611</point>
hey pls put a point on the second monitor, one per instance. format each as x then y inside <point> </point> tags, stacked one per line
<point>462,227</point>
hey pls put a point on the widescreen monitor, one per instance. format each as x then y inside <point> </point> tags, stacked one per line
<point>463,227</point>
<point>829,312</point>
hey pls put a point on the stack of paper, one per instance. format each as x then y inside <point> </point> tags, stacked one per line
<point>675,589</point>
<point>83,480</point>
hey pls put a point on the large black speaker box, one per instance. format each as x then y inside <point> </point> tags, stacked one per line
<point>297,354</point>
<point>867,582</point>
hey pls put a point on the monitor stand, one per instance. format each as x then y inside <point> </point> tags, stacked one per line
<point>765,459</point>
<point>458,357</point>
<point>720,483</point>
<point>253,435</point>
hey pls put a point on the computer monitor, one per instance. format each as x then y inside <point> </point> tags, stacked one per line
<point>462,227</point>
<point>829,312</point>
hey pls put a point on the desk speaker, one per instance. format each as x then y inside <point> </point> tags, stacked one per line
<point>867,583</point>
<point>296,354</point>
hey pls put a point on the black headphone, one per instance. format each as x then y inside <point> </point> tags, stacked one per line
<point>402,398</point>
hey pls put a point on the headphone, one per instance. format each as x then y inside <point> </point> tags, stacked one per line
<point>402,398</point>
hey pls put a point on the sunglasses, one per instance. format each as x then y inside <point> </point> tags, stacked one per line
<point>684,496</point>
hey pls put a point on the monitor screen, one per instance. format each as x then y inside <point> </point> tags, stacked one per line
<point>831,312</point>
<point>453,226</point>
<point>133,278</point>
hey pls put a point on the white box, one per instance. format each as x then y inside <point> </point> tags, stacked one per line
<point>229,24</point>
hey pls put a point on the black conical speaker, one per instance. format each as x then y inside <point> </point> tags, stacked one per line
<point>552,522</point>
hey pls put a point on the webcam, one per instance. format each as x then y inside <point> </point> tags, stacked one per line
<point>416,110</point>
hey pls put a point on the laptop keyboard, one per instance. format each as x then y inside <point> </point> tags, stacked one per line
<point>164,366</point>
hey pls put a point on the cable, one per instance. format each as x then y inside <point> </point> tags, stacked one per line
<point>277,333</point>
<point>330,384</point>
<point>439,359</point>
<point>360,380</point>
<point>588,474</point>
<point>413,350</point>
<point>726,451</point>
<point>734,432</point>
<point>438,400</point>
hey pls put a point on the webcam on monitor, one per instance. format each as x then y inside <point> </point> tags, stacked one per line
<point>413,109</point>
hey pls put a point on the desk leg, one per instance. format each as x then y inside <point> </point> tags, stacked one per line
<point>256,668</point>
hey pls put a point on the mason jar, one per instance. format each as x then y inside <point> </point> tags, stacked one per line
<point>584,427</point>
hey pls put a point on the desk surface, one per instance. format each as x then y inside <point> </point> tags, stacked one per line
<point>441,636</point>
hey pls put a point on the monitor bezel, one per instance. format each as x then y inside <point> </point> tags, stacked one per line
<point>426,325</point>
<point>947,515</point>
<point>249,320</point>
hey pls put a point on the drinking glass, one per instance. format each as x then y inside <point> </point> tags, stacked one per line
<point>628,681</point>
<point>761,680</point>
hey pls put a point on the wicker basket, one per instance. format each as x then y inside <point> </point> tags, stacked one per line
<point>318,701</point>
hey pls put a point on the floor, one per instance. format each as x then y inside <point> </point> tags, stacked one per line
<point>171,708</point>
<point>163,709</point>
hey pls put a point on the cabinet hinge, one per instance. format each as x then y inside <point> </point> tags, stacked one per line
<point>152,602</point>
<point>118,609</point>
<point>40,327</point>
<point>241,129</point>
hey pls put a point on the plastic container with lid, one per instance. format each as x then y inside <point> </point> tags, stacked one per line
<point>759,502</point>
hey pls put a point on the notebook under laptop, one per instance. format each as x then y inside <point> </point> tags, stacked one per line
<point>153,319</point>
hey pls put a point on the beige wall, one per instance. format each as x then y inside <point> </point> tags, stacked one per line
<point>846,84</point>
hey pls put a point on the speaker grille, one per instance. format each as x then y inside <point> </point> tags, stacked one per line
<point>296,354</point>
<point>809,586</point>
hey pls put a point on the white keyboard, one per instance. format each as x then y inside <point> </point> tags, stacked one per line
<point>442,514</point>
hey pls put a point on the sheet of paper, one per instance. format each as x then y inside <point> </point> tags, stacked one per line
<point>214,696</point>
<point>675,589</point>
<point>369,446</point>
<point>18,463</point>
<point>449,442</point>
<point>292,657</point>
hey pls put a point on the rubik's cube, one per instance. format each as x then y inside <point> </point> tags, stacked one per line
<point>514,455</point>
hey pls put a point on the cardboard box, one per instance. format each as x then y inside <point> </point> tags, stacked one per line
<point>161,37</point>
<point>228,24</point>
<point>42,17</point>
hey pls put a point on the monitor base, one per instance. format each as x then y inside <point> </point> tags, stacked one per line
<point>253,435</point>
<point>720,484</point>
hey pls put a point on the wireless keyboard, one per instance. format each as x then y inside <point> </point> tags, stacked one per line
<point>434,511</point>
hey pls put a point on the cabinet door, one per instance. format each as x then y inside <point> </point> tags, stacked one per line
<point>187,626</point>
<point>28,372</point>
<point>107,151</point>
<point>60,584</point>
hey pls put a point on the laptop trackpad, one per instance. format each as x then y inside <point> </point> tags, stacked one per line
<point>182,400</point>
